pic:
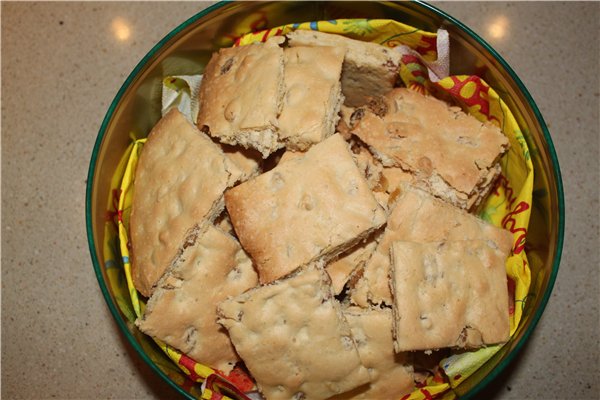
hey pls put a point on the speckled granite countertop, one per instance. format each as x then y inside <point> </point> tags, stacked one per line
<point>62,64</point>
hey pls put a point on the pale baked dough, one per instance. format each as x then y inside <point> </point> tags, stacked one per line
<point>345,264</point>
<point>179,183</point>
<point>313,95</point>
<point>343,126</point>
<point>452,155</point>
<point>182,311</point>
<point>249,161</point>
<point>392,375</point>
<point>342,268</point>
<point>241,95</point>
<point>224,223</point>
<point>289,155</point>
<point>368,165</point>
<point>449,294</point>
<point>294,339</point>
<point>305,209</point>
<point>417,216</point>
<point>392,178</point>
<point>369,69</point>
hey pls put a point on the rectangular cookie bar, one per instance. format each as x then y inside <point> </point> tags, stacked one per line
<point>305,209</point>
<point>392,374</point>
<point>241,95</point>
<point>182,311</point>
<point>313,95</point>
<point>294,339</point>
<point>419,217</point>
<point>369,69</point>
<point>452,155</point>
<point>449,294</point>
<point>179,183</point>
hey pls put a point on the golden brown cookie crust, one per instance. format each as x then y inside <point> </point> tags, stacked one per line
<point>179,183</point>
<point>313,95</point>
<point>182,311</point>
<point>418,216</point>
<point>241,95</point>
<point>292,215</point>
<point>451,154</point>
<point>449,294</point>
<point>294,339</point>
<point>369,69</point>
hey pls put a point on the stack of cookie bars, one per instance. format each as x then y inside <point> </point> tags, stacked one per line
<point>317,223</point>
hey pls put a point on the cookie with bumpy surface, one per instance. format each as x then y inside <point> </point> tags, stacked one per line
<point>452,155</point>
<point>313,95</point>
<point>241,96</point>
<point>182,311</point>
<point>417,216</point>
<point>294,339</point>
<point>312,207</point>
<point>179,183</point>
<point>369,69</point>
<point>449,294</point>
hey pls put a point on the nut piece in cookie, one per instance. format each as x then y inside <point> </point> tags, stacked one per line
<point>241,95</point>
<point>294,339</point>
<point>305,209</point>
<point>419,217</point>
<point>391,374</point>
<point>449,294</point>
<point>179,183</point>
<point>182,311</point>
<point>452,155</point>
<point>369,69</point>
<point>313,95</point>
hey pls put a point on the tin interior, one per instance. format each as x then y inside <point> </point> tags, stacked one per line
<point>185,50</point>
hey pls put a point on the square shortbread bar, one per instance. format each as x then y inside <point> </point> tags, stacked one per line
<point>182,311</point>
<point>449,294</point>
<point>241,95</point>
<point>308,208</point>
<point>453,155</point>
<point>391,373</point>
<point>369,69</point>
<point>179,183</point>
<point>313,95</point>
<point>294,339</point>
<point>419,217</point>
